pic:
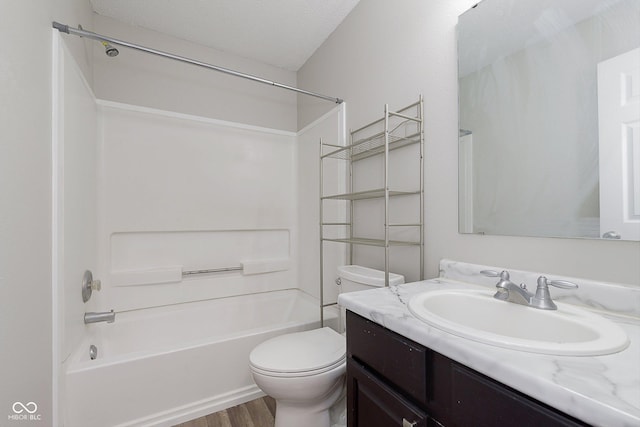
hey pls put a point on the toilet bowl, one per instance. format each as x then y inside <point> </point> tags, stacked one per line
<point>305,371</point>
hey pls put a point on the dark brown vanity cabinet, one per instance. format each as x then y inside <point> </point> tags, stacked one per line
<point>393,381</point>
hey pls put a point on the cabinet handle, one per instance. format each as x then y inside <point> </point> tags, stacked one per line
<point>406,423</point>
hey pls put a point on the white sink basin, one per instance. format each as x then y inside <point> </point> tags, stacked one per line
<point>477,316</point>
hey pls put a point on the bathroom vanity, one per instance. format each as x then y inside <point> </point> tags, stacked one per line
<point>395,381</point>
<point>404,372</point>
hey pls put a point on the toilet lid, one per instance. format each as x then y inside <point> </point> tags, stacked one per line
<point>300,351</point>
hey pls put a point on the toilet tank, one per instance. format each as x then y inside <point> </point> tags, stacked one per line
<point>358,278</point>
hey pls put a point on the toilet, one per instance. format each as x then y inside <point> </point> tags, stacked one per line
<point>305,371</point>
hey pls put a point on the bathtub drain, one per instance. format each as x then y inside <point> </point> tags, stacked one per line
<point>93,351</point>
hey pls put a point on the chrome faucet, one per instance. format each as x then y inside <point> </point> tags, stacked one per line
<point>509,291</point>
<point>96,317</point>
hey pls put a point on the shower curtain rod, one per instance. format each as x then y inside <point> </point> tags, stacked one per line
<point>91,35</point>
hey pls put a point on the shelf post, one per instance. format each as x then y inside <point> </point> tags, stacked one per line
<point>386,194</point>
<point>421,124</point>
<point>321,239</point>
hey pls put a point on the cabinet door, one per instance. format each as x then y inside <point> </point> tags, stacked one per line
<point>481,402</point>
<point>400,362</point>
<point>371,403</point>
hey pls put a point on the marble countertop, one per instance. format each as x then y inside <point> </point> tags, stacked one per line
<point>600,390</point>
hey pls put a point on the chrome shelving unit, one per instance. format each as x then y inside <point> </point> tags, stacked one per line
<point>395,131</point>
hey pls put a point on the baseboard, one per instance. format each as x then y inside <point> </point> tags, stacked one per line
<point>198,409</point>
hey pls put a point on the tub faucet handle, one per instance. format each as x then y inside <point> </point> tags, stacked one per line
<point>89,285</point>
<point>96,285</point>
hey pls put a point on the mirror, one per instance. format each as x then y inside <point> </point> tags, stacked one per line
<point>549,115</point>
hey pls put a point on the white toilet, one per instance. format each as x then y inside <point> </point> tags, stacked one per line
<point>304,371</point>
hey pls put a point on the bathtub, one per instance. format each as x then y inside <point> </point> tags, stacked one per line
<point>162,366</point>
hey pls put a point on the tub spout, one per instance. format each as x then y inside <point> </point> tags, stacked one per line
<point>95,317</point>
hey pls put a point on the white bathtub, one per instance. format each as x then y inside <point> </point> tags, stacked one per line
<point>162,366</point>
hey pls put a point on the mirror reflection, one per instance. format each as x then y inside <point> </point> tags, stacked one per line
<point>549,111</point>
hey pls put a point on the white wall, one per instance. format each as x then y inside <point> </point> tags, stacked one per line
<point>416,53</point>
<point>141,79</point>
<point>25,189</point>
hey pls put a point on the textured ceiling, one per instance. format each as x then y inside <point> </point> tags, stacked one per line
<point>284,33</point>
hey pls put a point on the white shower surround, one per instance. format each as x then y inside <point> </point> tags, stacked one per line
<point>163,187</point>
<point>191,193</point>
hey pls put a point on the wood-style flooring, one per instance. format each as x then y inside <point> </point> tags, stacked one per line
<point>256,413</point>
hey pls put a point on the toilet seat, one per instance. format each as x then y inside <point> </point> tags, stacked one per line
<point>299,354</point>
<point>338,364</point>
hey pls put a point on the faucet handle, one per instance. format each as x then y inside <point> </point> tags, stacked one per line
<point>89,285</point>
<point>542,298</point>
<point>564,284</point>
<point>503,275</point>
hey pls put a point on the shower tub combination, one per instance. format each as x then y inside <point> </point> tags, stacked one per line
<point>165,365</point>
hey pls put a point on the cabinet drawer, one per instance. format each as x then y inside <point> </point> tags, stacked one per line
<point>398,360</point>
<point>373,404</point>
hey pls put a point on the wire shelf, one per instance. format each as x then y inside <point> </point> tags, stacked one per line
<point>372,145</point>
<point>371,242</point>
<point>369,194</point>
<point>397,129</point>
